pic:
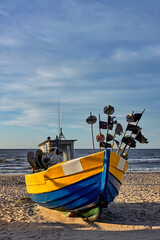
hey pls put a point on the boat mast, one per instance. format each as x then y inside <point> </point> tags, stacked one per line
<point>60,135</point>
<point>58,119</point>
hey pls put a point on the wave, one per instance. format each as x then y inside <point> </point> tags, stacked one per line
<point>144,161</point>
<point>143,170</point>
<point>12,160</point>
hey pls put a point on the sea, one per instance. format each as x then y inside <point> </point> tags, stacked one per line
<point>14,161</point>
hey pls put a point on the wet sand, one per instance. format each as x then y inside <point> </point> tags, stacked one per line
<point>135,213</point>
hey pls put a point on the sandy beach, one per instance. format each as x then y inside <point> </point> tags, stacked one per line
<point>135,213</point>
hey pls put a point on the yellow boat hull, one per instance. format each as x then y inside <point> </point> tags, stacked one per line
<point>79,184</point>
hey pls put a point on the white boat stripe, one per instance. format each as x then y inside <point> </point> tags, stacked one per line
<point>72,167</point>
<point>121,164</point>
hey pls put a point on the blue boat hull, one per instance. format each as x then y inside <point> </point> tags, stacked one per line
<point>94,192</point>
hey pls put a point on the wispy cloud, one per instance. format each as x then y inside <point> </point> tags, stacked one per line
<point>86,54</point>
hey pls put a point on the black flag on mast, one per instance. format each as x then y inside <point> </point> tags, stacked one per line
<point>140,138</point>
<point>128,140</point>
<point>111,121</point>
<point>105,145</point>
<point>119,129</point>
<point>103,125</point>
<point>109,137</point>
<point>133,128</point>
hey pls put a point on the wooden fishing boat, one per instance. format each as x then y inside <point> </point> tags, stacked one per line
<point>81,186</point>
<point>85,185</point>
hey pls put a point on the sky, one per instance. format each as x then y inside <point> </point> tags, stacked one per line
<point>86,54</point>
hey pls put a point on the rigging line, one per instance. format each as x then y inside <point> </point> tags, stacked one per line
<point>62,120</point>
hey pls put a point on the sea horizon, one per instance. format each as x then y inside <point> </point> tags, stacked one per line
<point>14,161</point>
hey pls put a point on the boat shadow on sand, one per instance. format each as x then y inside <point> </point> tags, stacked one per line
<point>132,213</point>
<point>146,214</point>
<point>128,220</point>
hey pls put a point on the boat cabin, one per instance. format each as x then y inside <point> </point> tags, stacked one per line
<point>67,146</point>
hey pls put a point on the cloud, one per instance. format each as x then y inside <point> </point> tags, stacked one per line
<point>86,54</point>
<point>31,117</point>
<point>9,42</point>
<point>80,81</point>
<point>129,55</point>
<point>58,72</point>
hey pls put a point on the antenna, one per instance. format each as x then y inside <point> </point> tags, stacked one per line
<point>60,135</point>
<point>58,118</point>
